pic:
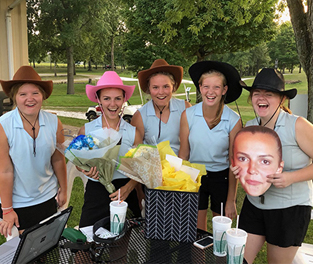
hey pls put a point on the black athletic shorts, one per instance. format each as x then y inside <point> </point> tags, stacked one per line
<point>214,186</point>
<point>281,227</point>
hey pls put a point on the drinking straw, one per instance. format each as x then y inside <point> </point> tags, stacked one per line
<point>237,223</point>
<point>221,209</point>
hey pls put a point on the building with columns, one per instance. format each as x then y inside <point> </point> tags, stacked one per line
<point>13,35</point>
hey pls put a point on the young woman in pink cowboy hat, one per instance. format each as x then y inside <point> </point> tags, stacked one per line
<point>282,214</point>
<point>32,171</point>
<point>160,117</point>
<point>207,131</point>
<point>110,93</point>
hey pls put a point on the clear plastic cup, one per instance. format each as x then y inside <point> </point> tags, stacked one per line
<point>236,241</point>
<point>220,225</point>
<point>117,216</point>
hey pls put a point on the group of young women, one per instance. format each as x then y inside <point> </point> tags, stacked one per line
<point>203,133</point>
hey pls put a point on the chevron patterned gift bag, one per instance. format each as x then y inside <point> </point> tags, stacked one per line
<point>171,215</point>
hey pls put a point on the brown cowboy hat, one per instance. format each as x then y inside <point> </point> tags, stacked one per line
<point>26,74</point>
<point>160,65</point>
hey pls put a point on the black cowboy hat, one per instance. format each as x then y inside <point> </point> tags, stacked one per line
<point>271,80</point>
<point>231,74</point>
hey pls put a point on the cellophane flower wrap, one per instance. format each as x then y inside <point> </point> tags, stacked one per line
<point>148,165</point>
<point>97,149</point>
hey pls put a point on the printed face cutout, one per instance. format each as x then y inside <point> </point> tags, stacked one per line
<point>258,155</point>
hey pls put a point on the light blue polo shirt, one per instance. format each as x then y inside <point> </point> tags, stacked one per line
<point>210,146</point>
<point>299,193</point>
<point>170,130</point>
<point>34,178</point>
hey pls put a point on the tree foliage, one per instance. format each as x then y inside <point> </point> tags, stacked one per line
<point>198,29</point>
<point>283,50</point>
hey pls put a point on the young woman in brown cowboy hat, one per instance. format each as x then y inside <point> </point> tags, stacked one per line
<point>281,216</point>
<point>160,117</point>
<point>32,171</point>
<point>207,131</point>
<point>110,93</point>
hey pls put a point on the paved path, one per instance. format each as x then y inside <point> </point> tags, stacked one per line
<point>79,115</point>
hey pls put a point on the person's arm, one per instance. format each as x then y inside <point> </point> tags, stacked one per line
<point>187,104</point>
<point>230,207</point>
<point>132,184</point>
<point>59,167</point>
<point>304,138</point>
<point>138,123</point>
<point>183,135</point>
<point>6,187</point>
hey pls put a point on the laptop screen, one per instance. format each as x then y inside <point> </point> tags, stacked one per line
<point>41,238</point>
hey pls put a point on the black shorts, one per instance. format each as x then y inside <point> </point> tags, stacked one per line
<point>32,215</point>
<point>97,201</point>
<point>214,185</point>
<point>281,227</point>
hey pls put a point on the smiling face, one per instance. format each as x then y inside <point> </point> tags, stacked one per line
<point>28,99</point>
<point>111,100</point>
<point>161,89</point>
<point>212,88</point>
<point>265,102</point>
<point>258,155</point>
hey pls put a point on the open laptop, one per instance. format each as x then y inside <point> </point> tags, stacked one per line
<point>35,241</point>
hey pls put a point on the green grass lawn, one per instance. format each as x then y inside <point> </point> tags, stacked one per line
<point>79,102</point>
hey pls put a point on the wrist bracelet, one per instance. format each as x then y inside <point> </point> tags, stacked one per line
<point>8,212</point>
<point>7,208</point>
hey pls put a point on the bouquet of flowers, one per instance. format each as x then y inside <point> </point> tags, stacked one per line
<point>97,149</point>
<point>158,167</point>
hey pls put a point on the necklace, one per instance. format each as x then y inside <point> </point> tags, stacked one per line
<point>33,129</point>
<point>161,111</point>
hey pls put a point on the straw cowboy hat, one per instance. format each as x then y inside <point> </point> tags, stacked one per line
<point>271,80</point>
<point>109,79</point>
<point>160,65</point>
<point>26,74</point>
<point>232,76</point>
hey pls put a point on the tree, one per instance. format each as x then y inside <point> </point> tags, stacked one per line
<point>61,24</point>
<point>303,29</point>
<point>283,48</point>
<point>200,28</point>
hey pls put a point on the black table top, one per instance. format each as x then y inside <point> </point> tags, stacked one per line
<point>135,248</point>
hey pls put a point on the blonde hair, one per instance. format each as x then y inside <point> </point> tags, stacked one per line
<point>219,112</point>
<point>16,87</point>
<point>171,76</point>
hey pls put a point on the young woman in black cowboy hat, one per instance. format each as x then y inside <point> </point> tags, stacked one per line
<point>281,216</point>
<point>32,171</point>
<point>207,131</point>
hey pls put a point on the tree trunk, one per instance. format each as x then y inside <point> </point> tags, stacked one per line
<point>89,65</point>
<point>112,52</point>
<point>70,71</point>
<point>55,69</point>
<point>303,29</point>
<point>200,57</point>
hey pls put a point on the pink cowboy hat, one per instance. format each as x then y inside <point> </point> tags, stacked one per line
<point>109,79</point>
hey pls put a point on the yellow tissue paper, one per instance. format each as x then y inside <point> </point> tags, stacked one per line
<point>177,180</point>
